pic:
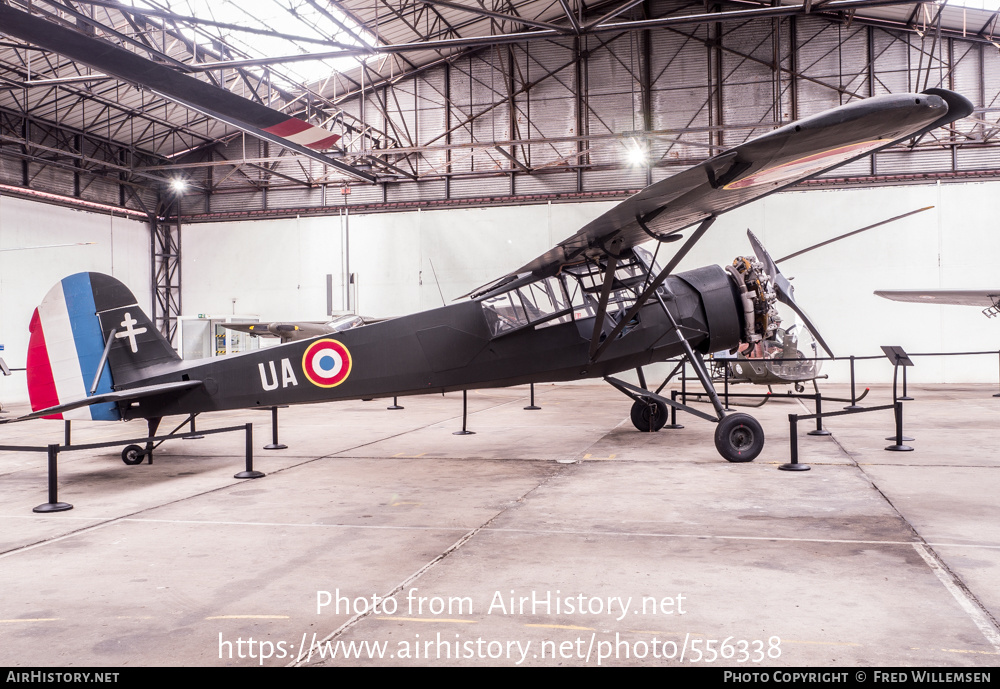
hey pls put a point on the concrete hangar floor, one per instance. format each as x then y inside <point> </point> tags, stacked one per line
<point>553,537</point>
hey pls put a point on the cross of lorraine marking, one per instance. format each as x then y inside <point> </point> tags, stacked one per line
<point>130,332</point>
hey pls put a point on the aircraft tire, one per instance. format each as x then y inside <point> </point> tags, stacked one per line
<point>739,438</point>
<point>133,454</point>
<point>648,415</point>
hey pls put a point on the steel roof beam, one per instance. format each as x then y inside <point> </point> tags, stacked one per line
<point>549,34</point>
<point>483,12</point>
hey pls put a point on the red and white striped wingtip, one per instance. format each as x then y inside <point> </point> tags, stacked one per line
<point>304,134</point>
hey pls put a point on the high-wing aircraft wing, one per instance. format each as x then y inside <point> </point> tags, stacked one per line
<point>984,298</point>
<point>754,169</point>
<point>218,103</point>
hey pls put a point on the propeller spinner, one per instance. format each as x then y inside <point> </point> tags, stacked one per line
<point>783,288</point>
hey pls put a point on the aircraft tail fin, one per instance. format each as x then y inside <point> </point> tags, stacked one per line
<point>69,331</point>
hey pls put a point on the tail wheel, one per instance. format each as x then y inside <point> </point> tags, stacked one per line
<point>739,438</point>
<point>648,415</point>
<point>133,454</point>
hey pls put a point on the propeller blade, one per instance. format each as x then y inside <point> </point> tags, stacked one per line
<point>809,324</point>
<point>783,288</point>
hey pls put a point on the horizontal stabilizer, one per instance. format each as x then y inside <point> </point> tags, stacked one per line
<point>110,397</point>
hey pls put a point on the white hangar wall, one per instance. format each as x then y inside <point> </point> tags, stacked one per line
<point>277,269</point>
<point>949,246</point>
<point>120,248</point>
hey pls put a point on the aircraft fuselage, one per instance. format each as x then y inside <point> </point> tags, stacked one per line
<point>451,348</point>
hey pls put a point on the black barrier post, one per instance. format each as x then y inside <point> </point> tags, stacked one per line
<point>395,404</point>
<point>998,394</point>
<point>793,446</point>
<point>274,445</point>
<point>67,424</point>
<point>854,397</point>
<point>819,417</point>
<point>905,396</point>
<point>532,407</point>
<point>465,413</point>
<point>193,433</point>
<point>898,358</point>
<point>684,398</point>
<point>725,368</point>
<point>53,505</point>
<point>249,472</point>
<point>899,446</point>
<point>673,412</point>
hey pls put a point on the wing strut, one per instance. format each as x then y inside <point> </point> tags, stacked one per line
<point>646,294</point>
<point>602,305</point>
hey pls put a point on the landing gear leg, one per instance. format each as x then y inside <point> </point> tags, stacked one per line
<point>152,425</point>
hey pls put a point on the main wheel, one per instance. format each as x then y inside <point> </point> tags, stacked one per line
<point>132,455</point>
<point>739,438</point>
<point>648,415</point>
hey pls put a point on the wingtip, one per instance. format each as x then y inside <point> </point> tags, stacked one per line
<point>958,105</point>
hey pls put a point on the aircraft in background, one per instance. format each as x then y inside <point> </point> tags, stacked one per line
<point>987,299</point>
<point>593,306</point>
<point>167,82</point>
<point>302,330</point>
<point>796,353</point>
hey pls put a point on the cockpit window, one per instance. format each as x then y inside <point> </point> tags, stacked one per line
<point>544,302</point>
<point>504,312</point>
<point>339,325</point>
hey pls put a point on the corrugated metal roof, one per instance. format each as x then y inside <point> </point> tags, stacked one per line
<point>113,111</point>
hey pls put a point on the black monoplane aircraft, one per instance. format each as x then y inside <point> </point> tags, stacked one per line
<point>593,306</point>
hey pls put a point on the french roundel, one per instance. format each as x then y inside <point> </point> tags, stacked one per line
<point>326,363</point>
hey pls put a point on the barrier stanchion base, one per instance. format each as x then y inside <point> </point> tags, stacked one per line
<point>673,425</point>
<point>823,431</point>
<point>53,507</point>
<point>531,408</point>
<point>464,433</point>
<point>279,446</point>
<point>794,467</point>
<point>249,474</point>
<point>852,407</point>
<point>899,448</point>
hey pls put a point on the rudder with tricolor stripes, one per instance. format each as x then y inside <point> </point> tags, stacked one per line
<point>67,342</point>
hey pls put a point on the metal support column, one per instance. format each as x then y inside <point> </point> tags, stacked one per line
<point>165,241</point>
